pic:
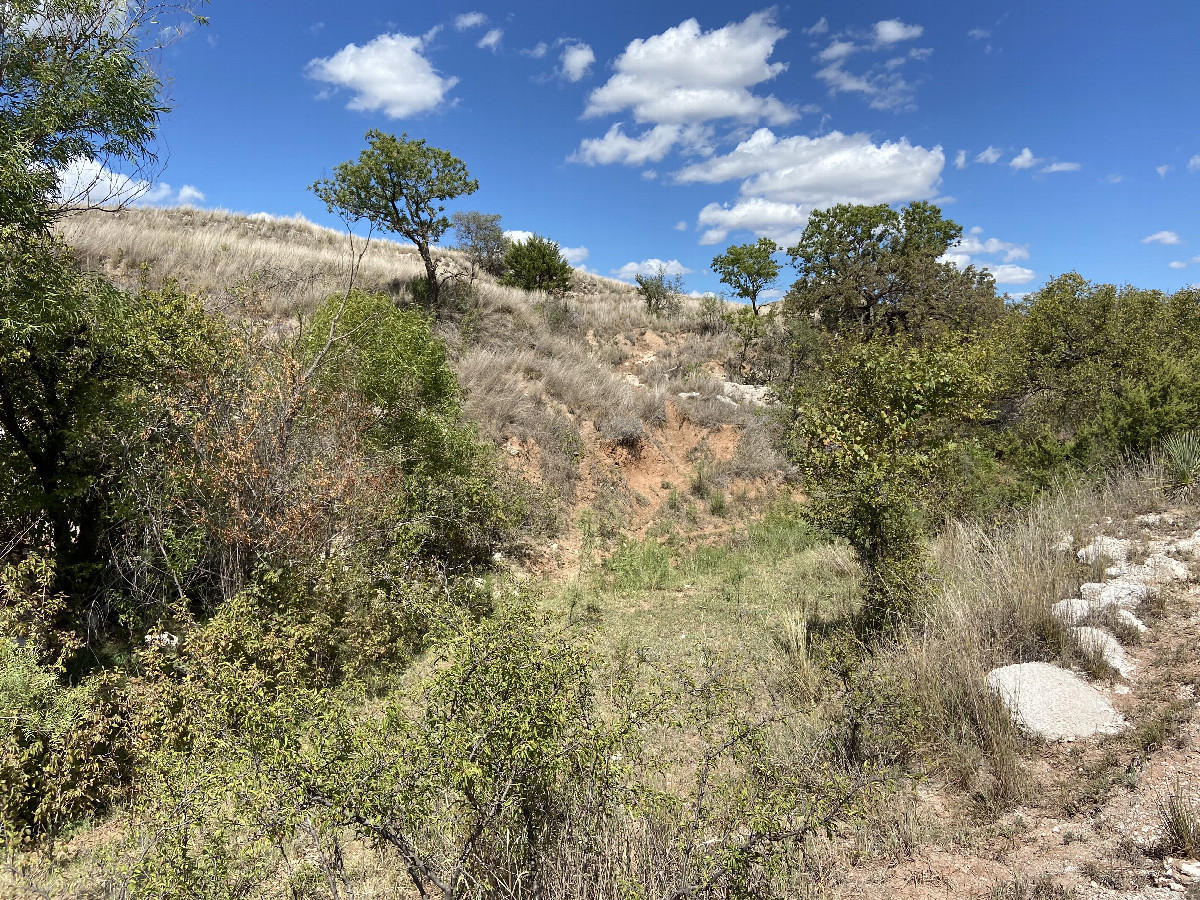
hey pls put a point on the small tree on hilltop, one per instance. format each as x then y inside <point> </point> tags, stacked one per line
<point>536,264</point>
<point>397,185</point>
<point>663,293</point>
<point>481,239</point>
<point>749,269</point>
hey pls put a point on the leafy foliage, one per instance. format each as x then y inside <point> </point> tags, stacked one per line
<point>872,270</point>
<point>399,185</point>
<point>662,293</point>
<point>877,439</point>
<point>482,239</point>
<point>749,269</point>
<point>536,264</point>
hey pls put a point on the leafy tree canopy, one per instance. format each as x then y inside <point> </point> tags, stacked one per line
<point>749,269</point>
<point>399,185</point>
<point>536,264</point>
<point>481,238</point>
<point>875,270</point>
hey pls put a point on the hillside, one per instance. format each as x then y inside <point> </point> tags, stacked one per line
<point>593,400</point>
<point>665,683</point>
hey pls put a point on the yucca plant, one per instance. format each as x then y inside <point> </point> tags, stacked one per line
<point>1181,461</point>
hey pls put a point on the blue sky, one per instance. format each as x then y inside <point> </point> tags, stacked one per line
<point>1061,135</point>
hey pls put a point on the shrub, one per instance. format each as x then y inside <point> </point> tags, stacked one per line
<point>662,293</point>
<point>1181,459</point>
<point>481,238</point>
<point>536,264</point>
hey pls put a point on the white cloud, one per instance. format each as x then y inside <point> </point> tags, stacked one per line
<point>1162,170</point>
<point>968,249</point>
<point>574,255</point>
<point>685,75</point>
<point>518,237</point>
<point>818,27</point>
<point>821,171</point>
<point>891,31</point>
<point>1162,237</point>
<point>992,246</point>
<point>491,40</point>
<point>618,147</point>
<point>85,182</point>
<point>649,174</point>
<point>469,20</point>
<point>576,60</point>
<point>537,51</point>
<point>681,225</point>
<point>783,222</point>
<point>978,34</point>
<point>837,50</point>
<point>189,195</point>
<point>1194,163</point>
<point>650,267</point>
<point>1025,160</point>
<point>388,73</point>
<point>960,160</point>
<point>1176,264</point>
<point>1113,178</point>
<point>988,156</point>
<point>1061,167</point>
<point>1009,274</point>
<point>885,89</point>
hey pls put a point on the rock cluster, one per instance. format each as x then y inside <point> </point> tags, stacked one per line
<point>1055,704</point>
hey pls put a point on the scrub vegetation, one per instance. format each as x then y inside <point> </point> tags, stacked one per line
<point>335,568</point>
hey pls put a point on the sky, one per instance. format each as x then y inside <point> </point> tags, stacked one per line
<point>1061,135</point>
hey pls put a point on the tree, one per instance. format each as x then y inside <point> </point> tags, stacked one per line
<point>662,292</point>
<point>875,270</point>
<point>398,185</point>
<point>482,239</point>
<point>749,269</point>
<point>877,438</point>
<point>536,264</point>
<point>78,92</point>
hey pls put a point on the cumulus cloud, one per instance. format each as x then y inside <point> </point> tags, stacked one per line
<point>1177,264</point>
<point>1025,160</point>
<point>618,147</point>
<point>979,34</point>
<point>518,237</point>
<point>821,171</point>
<point>818,27</point>
<point>782,222</point>
<point>1162,170</point>
<point>837,50</point>
<point>1010,274</point>
<point>884,87</point>
<point>1194,163</point>
<point>85,182</point>
<point>686,75</point>
<point>650,267</point>
<point>681,225</point>
<point>387,74</point>
<point>960,160</point>
<point>491,40</point>
<point>891,31</point>
<point>576,60</point>
<point>574,255</point>
<point>968,250</point>
<point>469,20</point>
<point>1162,237</point>
<point>988,156</point>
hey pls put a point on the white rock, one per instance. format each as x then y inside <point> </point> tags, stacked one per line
<point>1064,544</point>
<point>1127,591</point>
<point>1097,640</point>
<point>689,395</point>
<point>1163,568</point>
<point>1072,611</point>
<point>1116,549</point>
<point>1053,703</point>
<point>1188,546</point>
<point>746,393</point>
<point>1124,615</point>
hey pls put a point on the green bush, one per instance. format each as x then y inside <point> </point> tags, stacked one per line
<point>662,293</point>
<point>536,264</point>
